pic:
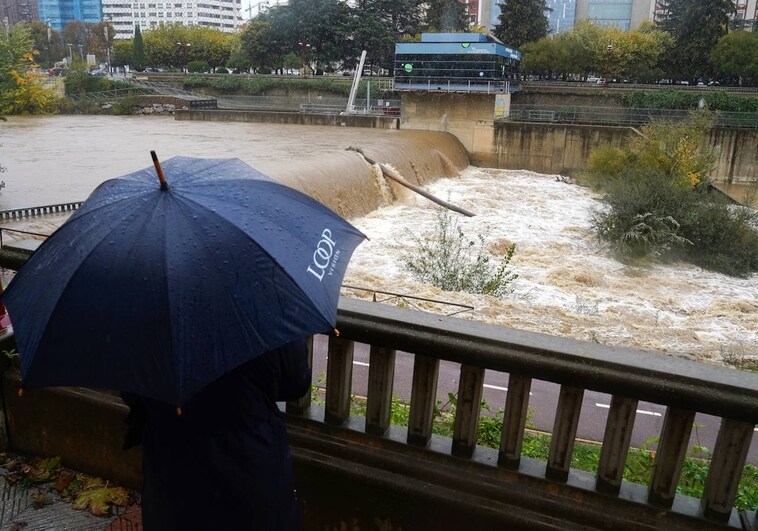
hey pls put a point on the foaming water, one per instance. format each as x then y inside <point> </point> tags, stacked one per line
<point>569,284</point>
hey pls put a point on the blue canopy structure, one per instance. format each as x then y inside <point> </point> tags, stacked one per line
<point>456,62</point>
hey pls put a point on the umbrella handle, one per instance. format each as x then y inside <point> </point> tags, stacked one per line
<point>159,171</point>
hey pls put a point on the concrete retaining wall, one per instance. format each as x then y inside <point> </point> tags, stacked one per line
<point>551,147</point>
<point>379,122</point>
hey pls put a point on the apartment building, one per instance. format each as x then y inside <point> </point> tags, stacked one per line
<point>124,15</point>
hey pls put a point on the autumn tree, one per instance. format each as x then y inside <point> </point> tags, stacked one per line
<point>522,21</point>
<point>21,89</point>
<point>47,42</point>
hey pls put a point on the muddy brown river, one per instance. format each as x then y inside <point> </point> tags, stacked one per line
<point>569,284</point>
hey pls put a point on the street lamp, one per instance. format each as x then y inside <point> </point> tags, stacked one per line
<point>107,43</point>
<point>608,63</point>
<point>184,46</point>
<point>305,47</point>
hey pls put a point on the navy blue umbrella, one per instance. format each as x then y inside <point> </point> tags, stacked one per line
<point>158,290</point>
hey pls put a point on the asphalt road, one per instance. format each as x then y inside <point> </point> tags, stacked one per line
<point>543,400</point>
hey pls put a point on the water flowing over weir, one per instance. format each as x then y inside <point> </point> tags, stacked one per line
<point>52,160</point>
<point>347,184</point>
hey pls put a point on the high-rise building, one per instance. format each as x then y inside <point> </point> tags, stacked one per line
<point>622,14</point>
<point>124,15</point>
<point>58,13</point>
<point>562,15</point>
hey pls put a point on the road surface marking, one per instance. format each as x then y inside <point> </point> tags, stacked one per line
<point>640,411</point>
<point>498,388</point>
<point>361,363</point>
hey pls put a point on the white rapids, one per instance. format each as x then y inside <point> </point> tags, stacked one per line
<point>569,283</point>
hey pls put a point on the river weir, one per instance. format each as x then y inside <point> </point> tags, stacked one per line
<point>569,283</point>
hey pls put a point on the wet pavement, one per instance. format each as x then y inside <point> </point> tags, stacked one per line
<point>41,508</point>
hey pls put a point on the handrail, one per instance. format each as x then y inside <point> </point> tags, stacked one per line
<point>580,114</point>
<point>28,212</point>
<point>683,386</point>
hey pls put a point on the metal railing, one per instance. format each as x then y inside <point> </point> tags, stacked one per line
<point>456,85</point>
<point>620,115</point>
<point>317,105</point>
<point>683,386</point>
<point>635,86</point>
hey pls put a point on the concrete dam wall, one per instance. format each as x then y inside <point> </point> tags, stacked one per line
<point>553,147</point>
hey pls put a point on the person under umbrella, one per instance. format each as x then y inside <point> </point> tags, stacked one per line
<point>224,463</point>
<point>194,299</point>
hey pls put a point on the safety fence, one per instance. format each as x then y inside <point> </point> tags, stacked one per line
<point>313,105</point>
<point>620,115</point>
<point>599,85</point>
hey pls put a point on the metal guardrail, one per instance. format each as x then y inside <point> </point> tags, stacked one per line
<point>636,86</point>
<point>457,85</point>
<point>316,105</point>
<point>619,115</point>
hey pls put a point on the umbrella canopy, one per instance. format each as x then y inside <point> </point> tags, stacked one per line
<point>158,290</point>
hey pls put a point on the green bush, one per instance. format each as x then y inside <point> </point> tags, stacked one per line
<point>658,204</point>
<point>452,262</point>
<point>125,106</point>
<point>678,99</point>
<point>198,66</point>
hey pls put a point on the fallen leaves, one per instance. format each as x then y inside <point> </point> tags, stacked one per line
<point>48,477</point>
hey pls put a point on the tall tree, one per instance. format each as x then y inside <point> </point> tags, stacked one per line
<point>446,16</point>
<point>259,43</point>
<point>735,57</point>
<point>696,26</point>
<point>75,37</point>
<point>522,21</point>
<point>138,51</point>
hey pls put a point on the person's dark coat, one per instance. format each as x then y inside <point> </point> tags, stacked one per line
<point>224,463</point>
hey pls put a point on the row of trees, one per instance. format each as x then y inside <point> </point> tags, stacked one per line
<point>694,39</point>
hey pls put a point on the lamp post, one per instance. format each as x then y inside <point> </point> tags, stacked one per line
<point>304,49</point>
<point>609,49</point>
<point>107,44</point>
<point>183,47</point>
<point>49,45</point>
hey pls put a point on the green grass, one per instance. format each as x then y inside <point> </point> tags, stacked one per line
<point>586,456</point>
